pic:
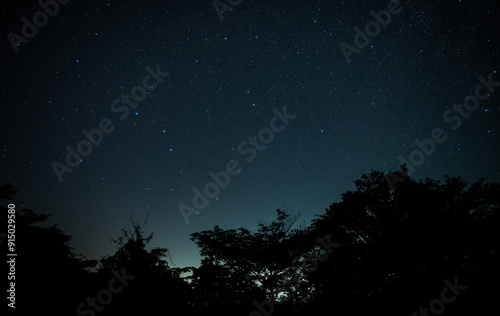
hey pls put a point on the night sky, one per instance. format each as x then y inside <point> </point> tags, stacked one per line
<point>217,83</point>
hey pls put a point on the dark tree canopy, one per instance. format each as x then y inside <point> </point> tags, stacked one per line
<point>394,247</point>
<point>49,272</point>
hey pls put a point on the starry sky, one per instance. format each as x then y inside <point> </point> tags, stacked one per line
<point>218,82</point>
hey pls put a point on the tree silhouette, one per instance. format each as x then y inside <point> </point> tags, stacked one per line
<point>394,246</point>
<point>240,266</point>
<point>132,253</point>
<point>49,274</point>
<point>155,287</point>
<point>399,246</point>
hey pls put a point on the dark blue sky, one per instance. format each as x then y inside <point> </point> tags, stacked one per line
<point>224,80</point>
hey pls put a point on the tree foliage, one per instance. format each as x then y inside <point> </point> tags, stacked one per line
<point>397,245</point>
